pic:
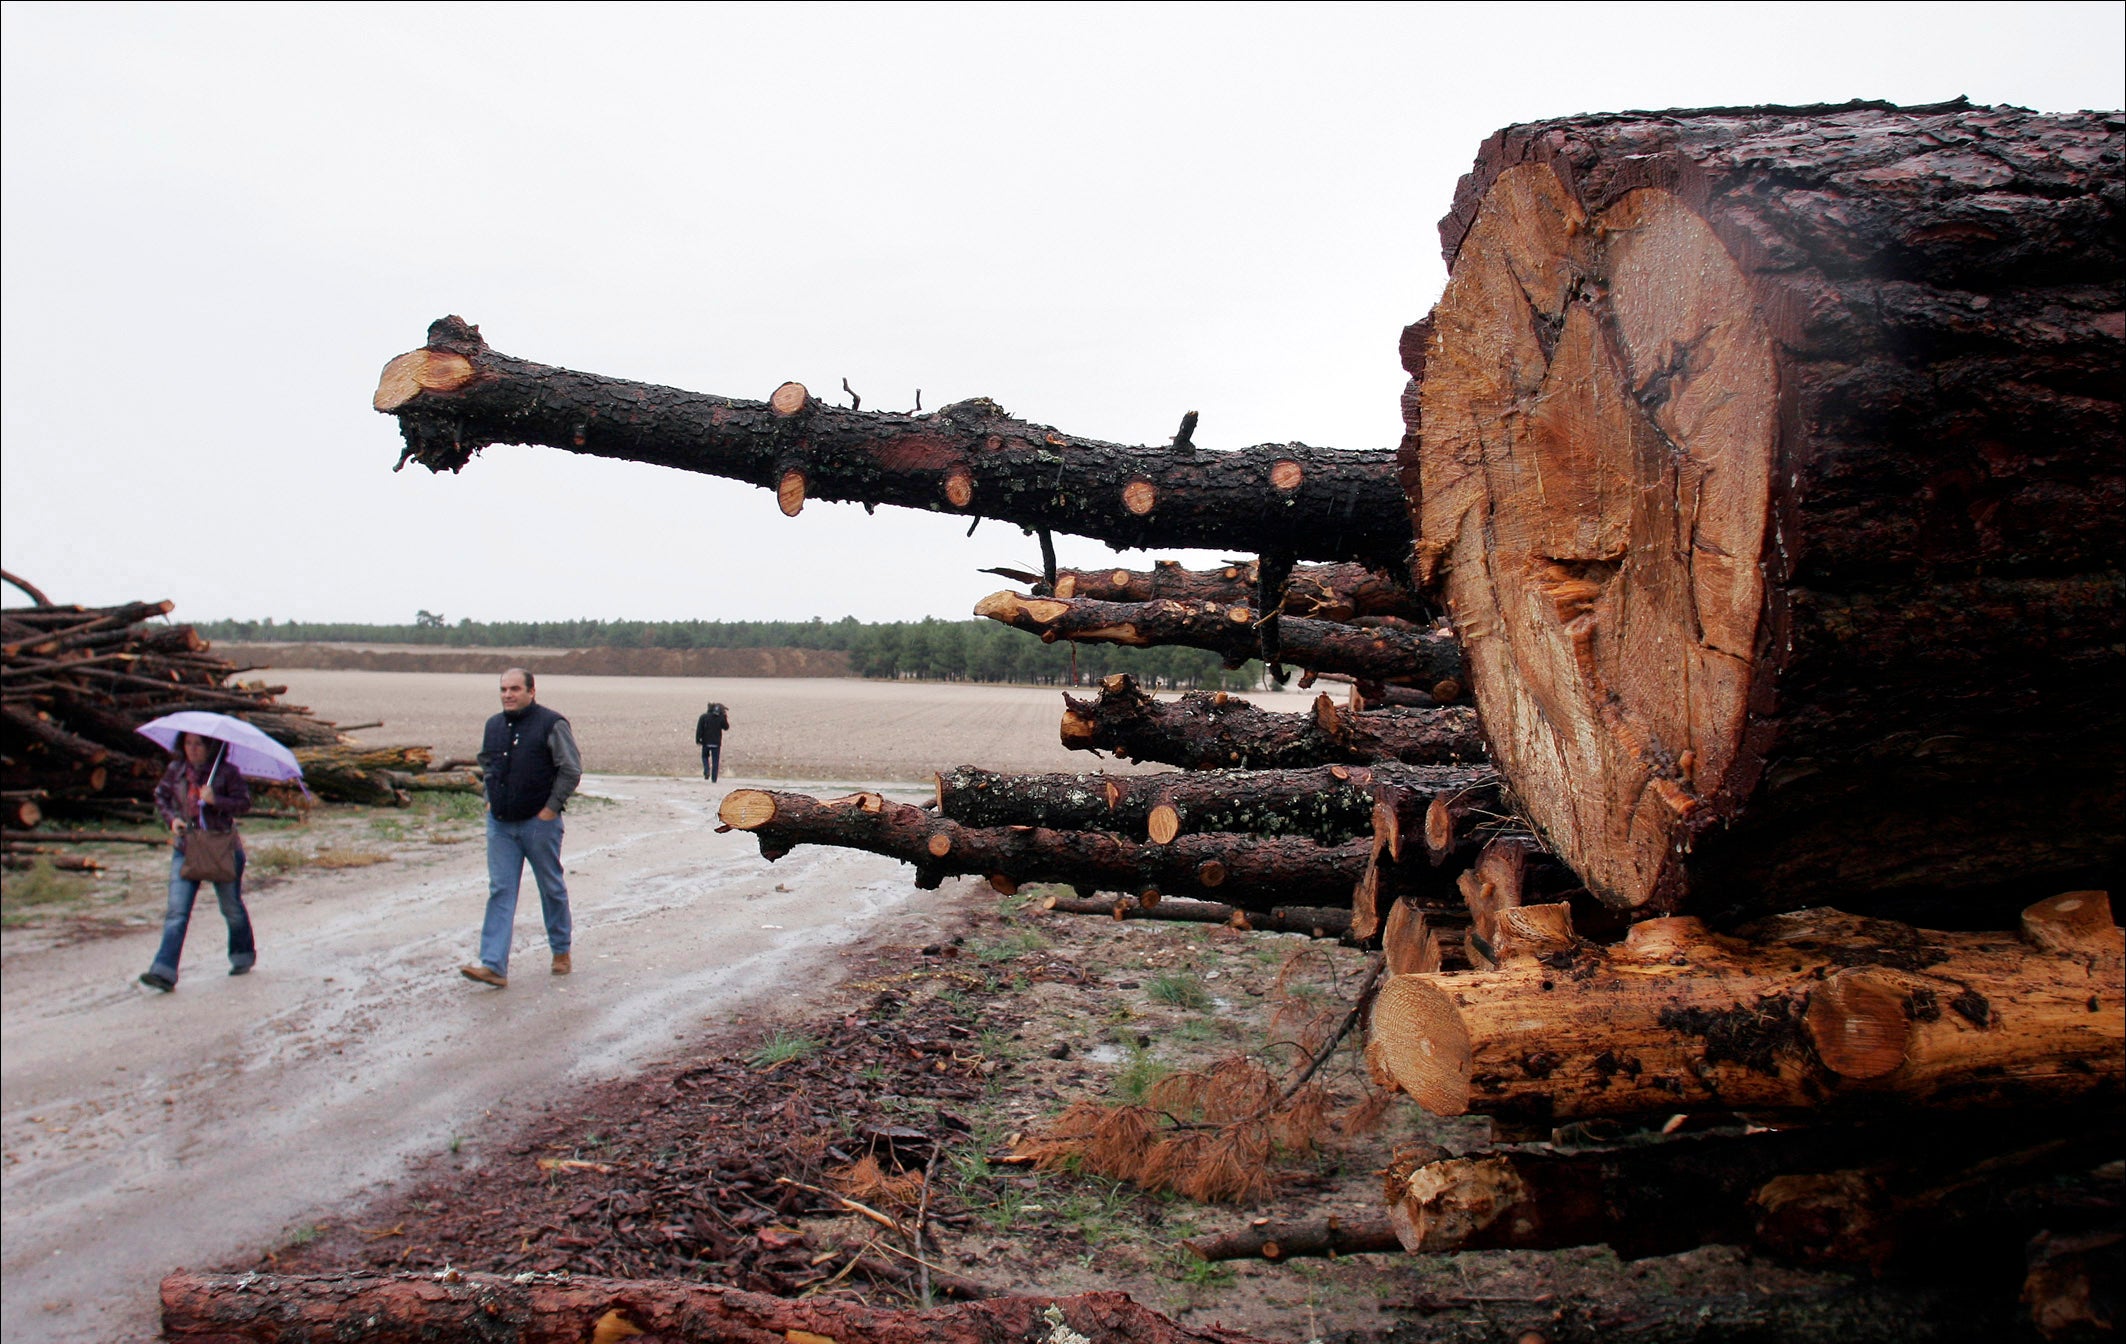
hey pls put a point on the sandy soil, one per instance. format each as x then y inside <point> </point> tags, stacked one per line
<point>139,1132</point>
<point>851,731</point>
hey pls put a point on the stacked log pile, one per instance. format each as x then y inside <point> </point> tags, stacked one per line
<point>1767,463</point>
<point>75,683</point>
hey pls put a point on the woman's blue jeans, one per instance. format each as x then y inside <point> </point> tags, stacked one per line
<point>183,892</point>
<point>511,845</point>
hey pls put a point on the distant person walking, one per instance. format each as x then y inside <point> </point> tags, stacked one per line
<point>708,732</point>
<point>529,754</point>
<point>202,791</point>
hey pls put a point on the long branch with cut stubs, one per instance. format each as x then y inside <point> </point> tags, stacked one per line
<point>455,396</point>
<point>1381,654</point>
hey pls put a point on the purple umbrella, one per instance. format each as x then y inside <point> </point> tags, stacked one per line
<point>247,748</point>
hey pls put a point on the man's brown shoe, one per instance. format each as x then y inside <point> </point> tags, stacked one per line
<point>484,976</point>
<point>562,965</point>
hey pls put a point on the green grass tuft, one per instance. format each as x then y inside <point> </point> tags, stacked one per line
<point>1179,989</point>
<point>783,1047</point>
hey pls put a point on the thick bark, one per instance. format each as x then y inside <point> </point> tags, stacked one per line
<point>1770,463</point>
<point>1383,654</point>
<point>556,1309</point>
<point>1330,803</point>
<point>1206,730</point>
<point>1313,920</point>
<point>1247,871</point>
<point>1313,592</point>
<point>1918,1190</point>
<point>1816,1011</point>
<point>362,775</point>
<point>454,396</point>
<point>1282,1239</point>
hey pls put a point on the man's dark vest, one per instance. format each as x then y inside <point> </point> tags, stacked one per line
<point>520,765</point>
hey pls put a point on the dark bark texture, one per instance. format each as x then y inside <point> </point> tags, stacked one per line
<point>556,1309</point>
<point>1338,505</point>
<point>1343,592</point>
<point>1330,803</point>
<point>1381,653</point>
<point>1930,708</point>
<point>1246,871</point>
<point>1207,730</point>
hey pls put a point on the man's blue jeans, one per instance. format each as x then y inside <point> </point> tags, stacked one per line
<point>711,759</point>
<point>511,845</point>
<point>178,916</point>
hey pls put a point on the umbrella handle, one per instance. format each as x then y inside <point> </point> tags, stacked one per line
<point>212,770</point>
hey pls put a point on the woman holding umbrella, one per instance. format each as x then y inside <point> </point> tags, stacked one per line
<point>203,791</point>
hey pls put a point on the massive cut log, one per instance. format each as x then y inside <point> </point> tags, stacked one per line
<point>1315,592</point>
<point>454,396</point>
<point>1381,653</point>
<point>1210,730</point>
<point>1770,465</point>
<point>1815,1011</point>
<point>1247,871</point>
<point>1934,1190</point>
<point>564,1309</point>
<point>1329,803</point>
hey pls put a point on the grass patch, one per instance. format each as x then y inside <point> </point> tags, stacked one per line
<point>437,806</point>
<point>274,858</point>
<point>783,1047</point>
<point>347,856</point>
<point>1178,989</point>
<point>1136,1077</point>
<point>27,892</point>
<point>1009,946</point>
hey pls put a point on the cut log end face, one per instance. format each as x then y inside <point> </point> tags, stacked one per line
<point>1420,1041</point>
<point>1623,439</point>
<point>419,371</point>
<point>1140,497</point>
<point>1858,1025</point>
<point>747,809</point>
<point>959,487</point>
<point>790,493</point>
<point>1287,475</point>
<point>788,399</point>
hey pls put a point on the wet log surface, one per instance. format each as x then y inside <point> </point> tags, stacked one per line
<point>455,396</point>
<point>1382,653</point>
<point>1813,1012</point>
<point>1207,730</point>
<point>1330,803</point>
<point>389,1308</point>
<point>1247,871</point>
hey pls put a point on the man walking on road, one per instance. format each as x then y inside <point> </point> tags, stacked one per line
<point>532,767</point>
<point>708,734</point>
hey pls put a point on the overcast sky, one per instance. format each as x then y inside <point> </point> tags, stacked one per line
<point>220,222</point>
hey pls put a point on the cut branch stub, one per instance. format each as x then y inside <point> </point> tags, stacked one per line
<point>1816,1010</point>
<point>456,396</point>
<point>1721,468</point>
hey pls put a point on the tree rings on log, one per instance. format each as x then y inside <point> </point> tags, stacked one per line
<point>790,493</point>
<point>1766,502</point>
<point>788,399</point>
<point>418,371</point>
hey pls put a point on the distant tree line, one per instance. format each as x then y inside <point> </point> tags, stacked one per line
<point>925,650</point>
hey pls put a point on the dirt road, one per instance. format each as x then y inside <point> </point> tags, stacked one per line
<point>143,1132</point>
